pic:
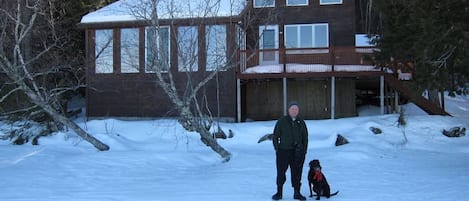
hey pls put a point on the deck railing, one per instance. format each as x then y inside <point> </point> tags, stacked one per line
<point>299,60</point>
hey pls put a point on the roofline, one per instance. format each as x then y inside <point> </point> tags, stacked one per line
<point>177,21</point>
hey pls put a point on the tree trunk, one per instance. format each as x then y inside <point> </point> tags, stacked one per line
<point>79,131</point>
<point>433,96</point>
<point>61,118</point>
<point>189,122</point>
<point>211,141</point>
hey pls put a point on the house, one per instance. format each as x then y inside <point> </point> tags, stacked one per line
<point>279,50</point>
<point>122,43</point>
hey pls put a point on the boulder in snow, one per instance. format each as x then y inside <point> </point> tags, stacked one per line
<point>341,140</point>
<point>455,132</point>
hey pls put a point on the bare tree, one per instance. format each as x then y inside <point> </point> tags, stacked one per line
<point>189,99</point>
<point>28,35</point>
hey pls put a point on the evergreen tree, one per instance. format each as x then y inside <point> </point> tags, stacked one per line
<point>433,35</point>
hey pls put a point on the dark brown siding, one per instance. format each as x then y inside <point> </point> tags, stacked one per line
<point>138,95</point>
<point>341,20</point>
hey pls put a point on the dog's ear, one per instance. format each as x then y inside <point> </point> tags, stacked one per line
<point>311,163</point>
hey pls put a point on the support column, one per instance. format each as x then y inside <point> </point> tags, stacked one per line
<point>396,102</point>
<point>238,100</point>
<point>285,96</point>
<point>381,93</point>
<point>333,97</point>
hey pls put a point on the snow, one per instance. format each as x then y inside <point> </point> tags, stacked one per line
<point>157,160</point>
<point>303,68</point>
<point>131,10</point>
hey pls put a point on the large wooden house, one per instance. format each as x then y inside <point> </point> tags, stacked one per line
<point>310,51</point>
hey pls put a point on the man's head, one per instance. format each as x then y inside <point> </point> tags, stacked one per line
<point>293,109</point>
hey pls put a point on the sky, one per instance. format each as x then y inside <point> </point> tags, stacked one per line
<point>153,160</point>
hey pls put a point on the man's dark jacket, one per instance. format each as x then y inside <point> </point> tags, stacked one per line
<point>290,134</point>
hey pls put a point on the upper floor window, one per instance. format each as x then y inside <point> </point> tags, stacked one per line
<point>157,53</point>
<point>307,35</point>
<point>129,50</point>
<point>215,41</point>
<point>297,2</point>
<point>264,3</point>
<point>328,2</point>
<point>103,51</point>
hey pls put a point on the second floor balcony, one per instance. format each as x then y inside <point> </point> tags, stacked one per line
<point>306,62</point>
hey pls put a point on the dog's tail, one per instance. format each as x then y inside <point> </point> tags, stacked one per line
<point>334,193</point>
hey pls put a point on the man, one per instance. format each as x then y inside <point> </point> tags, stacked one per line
<point>290,141</point>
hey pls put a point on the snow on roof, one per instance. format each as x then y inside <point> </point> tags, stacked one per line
<point>131,10</point>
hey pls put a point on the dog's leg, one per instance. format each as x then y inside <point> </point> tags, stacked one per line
<point>310,189</point>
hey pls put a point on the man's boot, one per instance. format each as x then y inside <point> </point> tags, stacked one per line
<point>297,195</point>
<point>278,195</point>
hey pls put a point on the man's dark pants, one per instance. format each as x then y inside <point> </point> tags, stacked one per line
<point>293,159</point>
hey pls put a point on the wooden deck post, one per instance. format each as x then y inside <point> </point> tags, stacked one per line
<point>285,96</point>
<point>381,93</point>
<point>238,99</point>
<point>333,97</point>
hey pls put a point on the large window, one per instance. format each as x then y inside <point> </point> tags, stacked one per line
<point>103,51</point>
<point>188,49</point>
<point>215,39</point>
<point>297,2</point>
<point>306,36</point>
<point>157,50</point>
<point>264,3</point>
<point>326,2</point>
<point>129,51</point>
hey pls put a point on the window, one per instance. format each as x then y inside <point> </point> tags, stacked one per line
<point>268,35</point>
<point>157,50</point>
<point>306,36</point>
<point>129,51</point>
<point>103,51</point>
<point>264,3</point>
<point>297,2</point>
<point>188,49</point>
<point>215,39</point>
<point>328,2</point>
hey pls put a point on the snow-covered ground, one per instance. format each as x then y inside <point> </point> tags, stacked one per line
<point>157,160</point>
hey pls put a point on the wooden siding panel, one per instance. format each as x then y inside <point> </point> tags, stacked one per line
<point>345,94</point>
<point>264,100</point>
<point>313,96</point>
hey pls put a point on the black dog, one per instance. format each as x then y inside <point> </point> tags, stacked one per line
<point>317,181</point>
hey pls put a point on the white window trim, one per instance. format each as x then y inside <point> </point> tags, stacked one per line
<point>169,50</point>
<point>313,33</point>
<point>267,6</point>
<point>289,4</point>
<point>332,3</point>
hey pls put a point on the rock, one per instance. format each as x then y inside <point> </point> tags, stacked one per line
<point>341,140</point>
<point>455,132</point>
<point>266,137</point>
<point>376,130</point>
<point>230,133</point>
